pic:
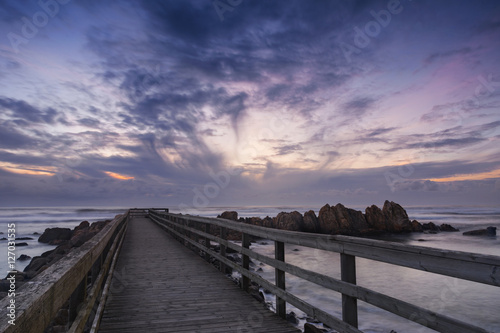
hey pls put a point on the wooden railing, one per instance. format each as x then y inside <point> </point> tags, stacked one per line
<point>81,278</point>
<point>195,231</point>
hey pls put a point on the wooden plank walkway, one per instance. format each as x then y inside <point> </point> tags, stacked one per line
<point>161,286</point>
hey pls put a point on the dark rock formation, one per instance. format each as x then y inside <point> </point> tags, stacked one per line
<point>229,215</point>
<point>341,220</point>
<point>23,257</point>
<point>430,227</point>
<point>311,223</point>
<point>268,222</point>
<point>490,231</point>
<point>291,317</point>
<point>375,218</point>
<point>22,244</point>
<point>290,221</point>
<point>55,236</point>
<point>310,328</point>
<point>391,218</point>
<point>447,227</point>
<point>24,238</point>
<point>69,240</point>
<point>396,217</point>
<point>416,226</point>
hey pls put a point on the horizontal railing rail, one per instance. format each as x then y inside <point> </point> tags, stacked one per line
<point>78,277</point>
<point>195,231</point>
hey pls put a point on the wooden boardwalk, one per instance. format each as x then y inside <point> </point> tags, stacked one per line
<point>161,286</point>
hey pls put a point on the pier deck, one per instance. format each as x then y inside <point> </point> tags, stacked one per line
<point>159,286</point>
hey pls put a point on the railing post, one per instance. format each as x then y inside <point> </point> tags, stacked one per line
<point>279,254</point>
<point>223,235</point>
<point>207,242</point>
<point>349,304</point>
<point>245,262</point>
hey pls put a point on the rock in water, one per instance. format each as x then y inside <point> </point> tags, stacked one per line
<point>490,231</point>
<point>311,223</point>
<point>447,227</point>
<point>430,227</point>
<point>328,223</point>
<point>229,215</point>
<point>341,220</point>
<point>396,217</point>
<point>23,257</point>
<point>290,221</point>
<point>310,328</point>
<point>375,218</point>
<point>416,226</point>
<point>55,236</point>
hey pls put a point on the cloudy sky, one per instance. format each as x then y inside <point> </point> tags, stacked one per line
<point>188,104</point>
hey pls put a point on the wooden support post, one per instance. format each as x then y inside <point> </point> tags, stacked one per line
<point>245,263</point>
<point>223,235</point>
<point>76,299</point>
<point>279,254</point>
<point>207,242</point>
<point>349,304</point>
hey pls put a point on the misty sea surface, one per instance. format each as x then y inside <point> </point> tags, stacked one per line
<point>467,301</point>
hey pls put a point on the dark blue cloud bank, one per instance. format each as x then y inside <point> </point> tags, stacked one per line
<point>194,103</point>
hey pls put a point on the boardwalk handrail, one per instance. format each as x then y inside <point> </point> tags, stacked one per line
<point>77,277</point>
<point>463,265</point>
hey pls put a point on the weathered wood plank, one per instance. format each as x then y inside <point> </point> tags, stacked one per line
<point>349,303</point>
<point>279,277</point>
<point>160,286</point>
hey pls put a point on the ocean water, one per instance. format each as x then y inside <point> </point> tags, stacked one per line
<point>468,301</point>
<point>29,221</point>
<point>471,302</point>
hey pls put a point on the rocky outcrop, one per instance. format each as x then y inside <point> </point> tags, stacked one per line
<point>375,218</point>
<point>55,236</point>
<point>416,226</point>
<point>310,328</point>
<point>229,215</point>
<point>448,228</point>
<point>396,217</point>
<point>311,223</point>
<point>290,221</point>
<point>391,218</point>
<point>490,231</point>
<point>67,239</point>
<point>341,220</point>
<point>430,227</point>
<point>268,222</point>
